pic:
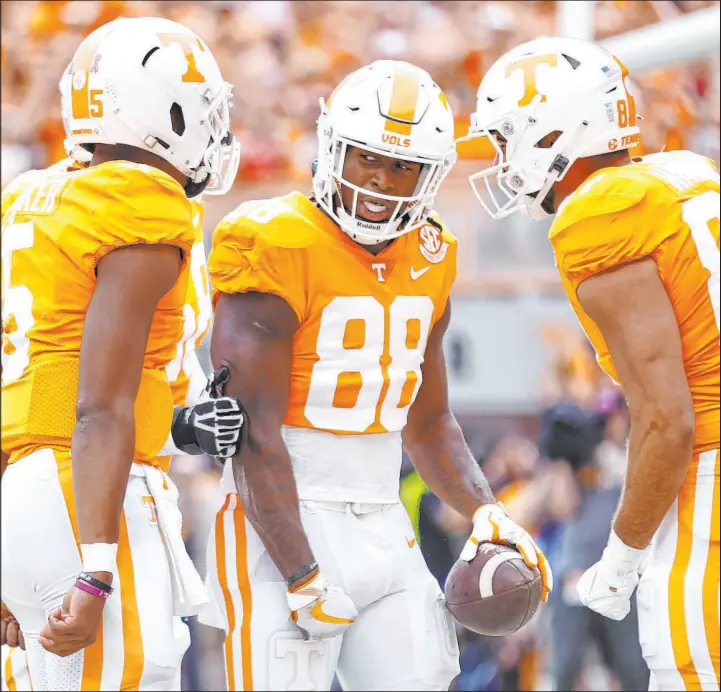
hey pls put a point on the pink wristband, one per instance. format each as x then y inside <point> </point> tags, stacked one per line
<point>89,588</point>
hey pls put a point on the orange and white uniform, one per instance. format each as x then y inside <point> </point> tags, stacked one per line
<point>15,676</point>
<point>14,671</point>
<point>53,236</point>
<point>666,206</point>
<point>356,369</point>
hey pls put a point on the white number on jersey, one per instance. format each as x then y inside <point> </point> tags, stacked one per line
<point>401,334</point>
<point>17,303</point>
<point>698,213</point>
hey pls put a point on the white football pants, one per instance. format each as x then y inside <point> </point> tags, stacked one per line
<point>14,675</point>
<point>141,644</point>
<point>403,639</point>
<point>678,595</point>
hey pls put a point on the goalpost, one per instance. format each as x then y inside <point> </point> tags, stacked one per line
<point>684,39</point>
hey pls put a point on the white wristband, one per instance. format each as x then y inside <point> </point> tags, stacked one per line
<point>99,557</point>
<point>622,557</point>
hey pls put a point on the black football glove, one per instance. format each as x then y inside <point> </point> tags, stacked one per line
<point>212,427</point>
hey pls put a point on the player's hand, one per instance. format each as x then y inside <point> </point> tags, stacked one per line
<point>491,524</point>
<point>11,633</point>
<point>321,610</point>
<point>607,586</point>
<point>74,626</point>
<point>212,427</point>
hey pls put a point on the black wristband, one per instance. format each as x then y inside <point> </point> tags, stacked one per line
<point>302,572</point>
<point>105,588</point>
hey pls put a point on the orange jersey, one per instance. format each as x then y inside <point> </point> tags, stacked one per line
<point>665,206</point>
<point>53,236</point>
<point>16,187</point>
<point>186,376</point>
<point>364,319</point>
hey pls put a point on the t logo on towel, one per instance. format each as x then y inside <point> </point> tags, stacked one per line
<point>149,502</point>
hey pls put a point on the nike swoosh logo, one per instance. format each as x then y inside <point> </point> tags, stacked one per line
<point>411,543</point>
<point>317,613</point>
<point>418,274</point>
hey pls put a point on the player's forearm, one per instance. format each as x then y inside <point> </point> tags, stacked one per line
<point>442,458</point>
<point>660,449</point>
<point>4,458</point>
<point>264,478</point>
<point>102,452</point>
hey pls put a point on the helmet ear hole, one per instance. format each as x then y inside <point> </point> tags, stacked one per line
<point>177,120</point>
<point>549,140</point>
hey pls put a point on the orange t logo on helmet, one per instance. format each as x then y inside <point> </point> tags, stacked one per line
<point>186,42</point>
<point>528,67</point>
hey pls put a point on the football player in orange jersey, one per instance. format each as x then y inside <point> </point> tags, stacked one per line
<point>330,313</point>
<point>95,270</point>
<point>185,376</point>
<point>637,247</point>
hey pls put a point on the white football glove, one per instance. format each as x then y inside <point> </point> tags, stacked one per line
<point>607,586</point>
<point>321,610</point>
<point>491,524</point>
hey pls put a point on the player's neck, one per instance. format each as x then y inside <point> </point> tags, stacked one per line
<point>122,152</point>
<point>582,170</point>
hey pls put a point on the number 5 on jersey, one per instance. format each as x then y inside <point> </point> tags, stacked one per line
<point>369,362</point>
<point>17,311</point>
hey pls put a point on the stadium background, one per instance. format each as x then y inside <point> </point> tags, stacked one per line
<point>519,367</point>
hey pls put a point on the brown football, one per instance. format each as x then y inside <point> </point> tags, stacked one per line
<point>494,594</point>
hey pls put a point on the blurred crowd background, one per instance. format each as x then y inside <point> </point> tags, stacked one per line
<point>548,428</point>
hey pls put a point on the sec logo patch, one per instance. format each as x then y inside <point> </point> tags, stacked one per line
<point>432,245</point>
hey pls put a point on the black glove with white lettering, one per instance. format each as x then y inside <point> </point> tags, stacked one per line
<point>212,427</point>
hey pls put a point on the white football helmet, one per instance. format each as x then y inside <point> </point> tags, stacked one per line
<point>153,84</point>
<point>394,109</point>
<point>571,89</point>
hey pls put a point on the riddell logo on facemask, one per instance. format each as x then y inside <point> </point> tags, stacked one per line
<point>395,140</point>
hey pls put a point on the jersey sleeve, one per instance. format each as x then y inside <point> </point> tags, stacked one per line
<point>605,226</point>
<point>248,256</point>
<point>135,205</point>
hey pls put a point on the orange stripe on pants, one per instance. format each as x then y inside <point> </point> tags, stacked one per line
<point>241,558</point>
<point>711,579</point>
<point>9,679</point>
<point>93,654</point>
<point>134,657</point>
<point>676,590</point>
<point>223,581</point>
